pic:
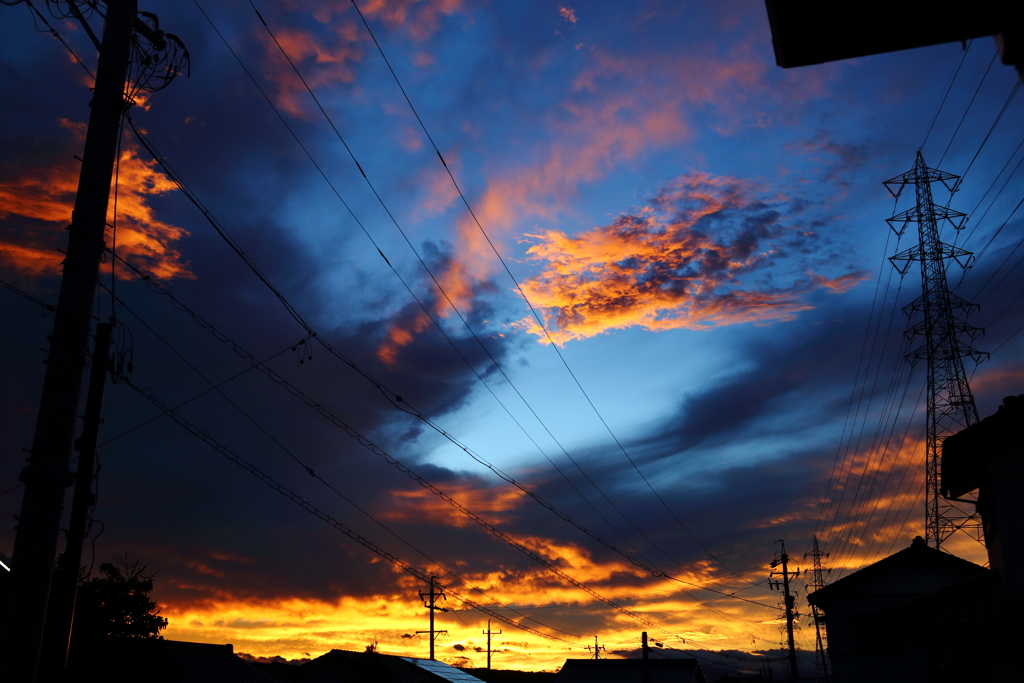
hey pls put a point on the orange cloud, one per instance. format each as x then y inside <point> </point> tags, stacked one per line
<point>46,197</point>
<point>401,333</point>
<point>418,17</point>
<point>678,262</point>
<point>568,14</point>
<point>1007,379</point>
<point>422,505</point>
<point>617,109</point>
<point>324,59</point>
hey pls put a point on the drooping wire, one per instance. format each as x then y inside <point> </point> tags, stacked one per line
<point>948,88</point>
<point>462,317</point>
<point>459,313</point>
<point>47,308</point>
<point>494,531</point>
<point>969,104</point>
<point>536,315</point>
<point>53,32</point>
<point>394,462</point>
<point>317,512</point>
<point>404,406</point>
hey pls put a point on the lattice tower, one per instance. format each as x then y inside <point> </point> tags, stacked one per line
<point>950,402</point>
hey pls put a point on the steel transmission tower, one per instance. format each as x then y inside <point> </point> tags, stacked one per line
<point>950,403</point>
<point>817,583</point>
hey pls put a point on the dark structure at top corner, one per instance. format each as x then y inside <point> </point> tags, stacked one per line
<point>806,32</point>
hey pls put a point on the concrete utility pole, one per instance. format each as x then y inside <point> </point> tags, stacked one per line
<point>47,473</point>
<point>789,601</point>
<point>64,588</point>
<point>490,633</point>
<point>430,602</point>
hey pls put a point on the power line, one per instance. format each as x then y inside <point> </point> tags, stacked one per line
<point>952,80</point>
<point>533,310</point>
<point>53,32</point>
<point>994,199</point>
<point>294,314</point>
<point>47,308</point>
<point>393,461</point>
<point>460,315</point>
<point>969,104</point>
<point>317,512</point>
<point>391,396</point>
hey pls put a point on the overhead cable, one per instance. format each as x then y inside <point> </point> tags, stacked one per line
<point>539,318</point>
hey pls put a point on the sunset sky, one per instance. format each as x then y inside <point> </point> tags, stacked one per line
<point>690,347</point>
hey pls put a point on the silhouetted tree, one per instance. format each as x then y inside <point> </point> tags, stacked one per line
<point>116,632</point>
<point>116,603</point>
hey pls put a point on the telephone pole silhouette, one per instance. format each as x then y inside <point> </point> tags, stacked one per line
<point>951,405</point>
<point>47,473</point>
<point>597,649</point>
<point>818,582</point>
<point>430,602</point>
<point>789,603</point>
<point>490,633</point>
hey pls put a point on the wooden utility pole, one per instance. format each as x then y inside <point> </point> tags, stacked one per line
<point>430,602</point>
<point>47,473</point>
<point>490,633</point>
<point>789,602</point>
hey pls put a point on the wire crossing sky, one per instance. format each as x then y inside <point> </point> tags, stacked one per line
<point>598,296</point>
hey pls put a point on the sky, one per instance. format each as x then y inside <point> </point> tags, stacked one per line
<point>644,329</point>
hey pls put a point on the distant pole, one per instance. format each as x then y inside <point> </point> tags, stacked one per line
<point>47,473</point>
<point>430,602</point>
<point>490,633</point>
<point>597,649</point>
<point>60,616</point>
<point>790,601</point>
<point>643,638</point>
